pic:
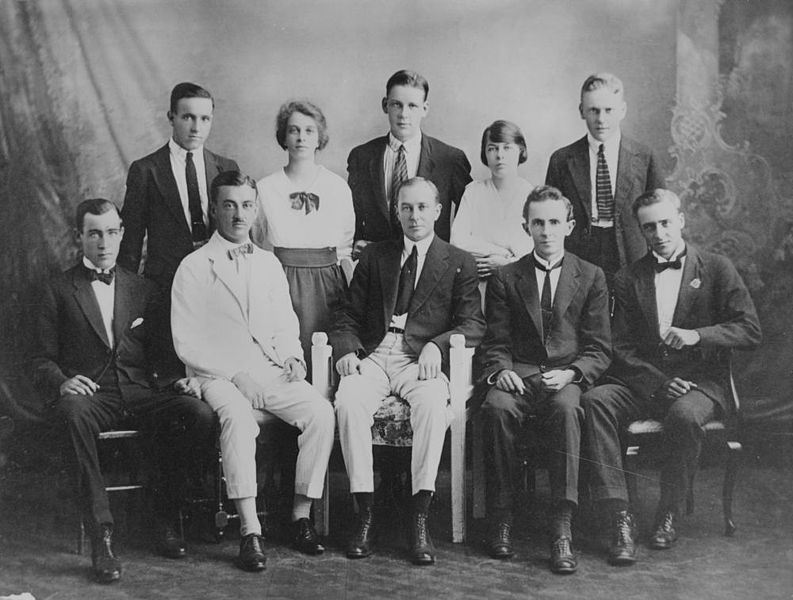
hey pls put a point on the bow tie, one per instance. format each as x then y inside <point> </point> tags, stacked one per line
<point>660,267</point>
<point>542,267</point>
<point>106,278</point>
<point>246,248</point>
<point>304,201</point>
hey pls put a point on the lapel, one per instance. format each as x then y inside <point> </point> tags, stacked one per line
<point>687,294</point>
<point>86,300</point>
<point>121,303</point>
<point>435,264</point>
<point>426,162</point>
<point>226,271</point>
<point>388,268</point>
<point>622,191</point>
<point>526,287</point>
<point>645,292</point>
<point>566,288</point>
<point>578,164</point>
<point>166,183</point>
<point>377,175</point>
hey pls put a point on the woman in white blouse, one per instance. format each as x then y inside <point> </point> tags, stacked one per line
<point>307,219</point>
<point>488,223</point>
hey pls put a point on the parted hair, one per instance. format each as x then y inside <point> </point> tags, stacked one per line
<point>306,108</point>
<point>188,90</point>
<point>230,179</point>
<point>92,206</point>
<point>603,80</point>
<point>543,193</point>
<point>654,197</point>
<point>410,79</point>
<point>503,132</point>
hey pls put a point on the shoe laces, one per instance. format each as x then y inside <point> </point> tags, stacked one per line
<point>254,542</point>
<point>422,535</point>
<point>561,546</point>
<point>666,522</point>
<point>624,529</point>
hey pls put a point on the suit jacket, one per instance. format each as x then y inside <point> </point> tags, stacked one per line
<point>580,335</point>
<point>637,172</point>
<point>444,165</point>
<point>713,300</point>
<point>446,300</point>
<point>218,331</point>
<point>70,336</point>
<point>152,206</point>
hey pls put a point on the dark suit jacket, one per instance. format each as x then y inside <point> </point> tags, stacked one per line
<point>446,300</point>
<point>580,335</point>
<point>637,172</point>
<point>70,337</point>
<point>444,165</point>
<point>152,205</point>
<point>713,300</point>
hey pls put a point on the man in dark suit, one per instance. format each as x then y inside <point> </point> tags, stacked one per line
<point>548,337</point>
<point>678,309</point>
<point>167,203</point>
<point>601,174</point>
<point>407,297</point>
<point>91,366</point>
<point>378,167</point>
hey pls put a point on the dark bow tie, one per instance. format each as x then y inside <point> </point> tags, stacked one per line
<point>246,248</point>
<point>660,267</point>
<point>542,267</point>
<point>106,278</point>
<point>304,201</point>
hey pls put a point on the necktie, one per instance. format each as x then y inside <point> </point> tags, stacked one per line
<point>400,177</point>
<point>194,201</point>
<point>240,251</point>
<point>407,281</point>
<point>546,305</point>
<point>660,267</point>
<point>106,278</point>
<point>604,199</point>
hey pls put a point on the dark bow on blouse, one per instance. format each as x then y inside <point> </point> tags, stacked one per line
<point>304,200</point>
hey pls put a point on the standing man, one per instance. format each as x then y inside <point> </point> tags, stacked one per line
<point>548,338</point>
<point>679,310</point>
<point>378,167</point>
<point>234,327</point>
<point>601,174</point>
<point>407,297</point>
<point>167,203</point>
<point>90,362</point>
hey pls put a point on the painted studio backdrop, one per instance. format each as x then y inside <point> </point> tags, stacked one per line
<point>84,90</point>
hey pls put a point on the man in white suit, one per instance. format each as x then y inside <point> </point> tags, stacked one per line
<point>233,326</point>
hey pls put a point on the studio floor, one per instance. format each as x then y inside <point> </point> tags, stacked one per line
<point>37,553</point>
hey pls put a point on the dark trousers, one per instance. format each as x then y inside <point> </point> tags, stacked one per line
<point>610,408</point>
<point>559,418</point>
<point>182,429</point>
<point>599,246</point>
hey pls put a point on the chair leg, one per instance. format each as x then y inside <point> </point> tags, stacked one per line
<point>81,538</point>
<point>690,495</point>
<point>322,508</point>
<point>630,476</point>
<point>458,480</point>
<point>733,453</point>
<point>478,467</point>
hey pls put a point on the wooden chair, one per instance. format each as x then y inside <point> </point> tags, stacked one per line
<point>392,420</point>
<point>722,436</point>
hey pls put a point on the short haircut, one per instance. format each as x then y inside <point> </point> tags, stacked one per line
<point>603,80</point>
<point>188,90</point>
<point>504,132</point>
<point>230,179</point>
<point>417,181</point>
<point>92,206</point>
<point>306,108</point>
<point>408,78</point>
<point>654,197</point>
<point>543,193</point>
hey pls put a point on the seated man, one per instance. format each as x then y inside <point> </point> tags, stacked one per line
<point>90,363</point>
<point>407,297</point>
<point>234,327</point>
<point>548,337</point>
<point>676,309</point>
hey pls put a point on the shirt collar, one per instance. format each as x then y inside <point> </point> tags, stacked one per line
<point>92,267</point>
<point>181,153</point>
<point>610,145</point>
<point>422,247</point>
<point>412,145</point>
<point>674,256</point>
<point>223,245</point>
<point>545,263</point>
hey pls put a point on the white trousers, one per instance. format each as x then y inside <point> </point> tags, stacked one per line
<point>296,403</point>
<point>392,369</point>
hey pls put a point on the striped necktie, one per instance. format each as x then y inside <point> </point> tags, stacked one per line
<point>604,198</point>
<point>400,177</point>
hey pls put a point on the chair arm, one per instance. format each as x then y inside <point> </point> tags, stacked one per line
<point>321,367</point>
<point>460,375</point>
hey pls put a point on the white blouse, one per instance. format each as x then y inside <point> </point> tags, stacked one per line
<point>280,225</point>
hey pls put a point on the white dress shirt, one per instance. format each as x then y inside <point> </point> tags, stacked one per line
<point>611,149</point>
<point>178,165</point>
<point>667,289</point>
<point>540,274</point>
<point>421,250</point>
<point>105,297</point>
<point>412,156</point>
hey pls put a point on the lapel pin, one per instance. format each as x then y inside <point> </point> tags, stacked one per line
<point>695,283</point>
<point>136,322</point>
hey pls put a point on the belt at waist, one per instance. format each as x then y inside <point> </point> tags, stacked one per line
<point>395,330</point>
<point>306,257</point>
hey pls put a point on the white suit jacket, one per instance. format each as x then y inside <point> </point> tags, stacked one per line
<point>213,334</point>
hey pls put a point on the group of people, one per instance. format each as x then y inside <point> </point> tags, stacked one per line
<point>587,308</point>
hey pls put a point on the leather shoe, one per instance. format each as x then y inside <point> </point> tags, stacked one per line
<point>170,544</point>
<point>306,538</point>
<point>421,550</point>
<point>106,565</point>
<point>252,556</point>
<point>664,534</point>
<point>563,561</point>
<point>499,542</point>
<point>360,545</point>
<point>622,549</point>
